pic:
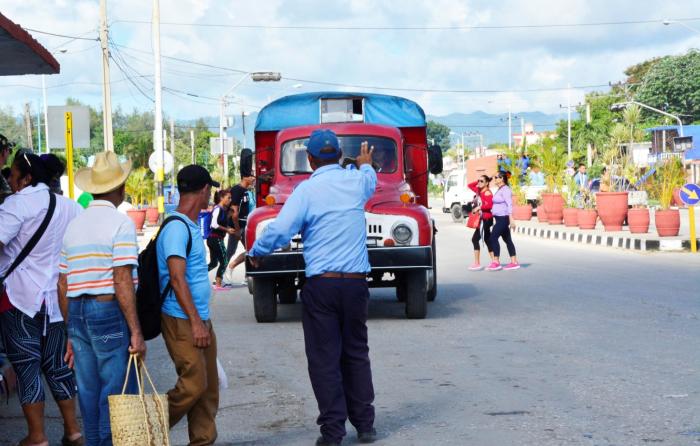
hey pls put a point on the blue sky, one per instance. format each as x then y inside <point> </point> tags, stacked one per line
<point>506,60</point>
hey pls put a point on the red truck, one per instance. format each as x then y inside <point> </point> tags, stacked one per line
<point>400,230</point>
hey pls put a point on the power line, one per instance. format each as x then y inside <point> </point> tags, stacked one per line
<point>62,35</point>
<point>410,28</point>
<point>384,88</point>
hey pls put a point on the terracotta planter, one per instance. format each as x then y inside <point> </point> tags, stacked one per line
<point>587,218</point>
<point>152,216</point>
<point>541,213</point>
<point>138,216</point>
<point>677,197</point>
<point>522,212</point>
<point>668,222</point>
<point>570,217</point>
<point>638,220</point>
<point>554,206</point>
<point>612,209</point>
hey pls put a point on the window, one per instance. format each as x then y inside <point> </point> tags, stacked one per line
<point>341,110</point>
<point>384,158</point>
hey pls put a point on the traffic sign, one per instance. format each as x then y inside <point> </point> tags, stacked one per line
<point>690,194</point>
<point>161,159</point>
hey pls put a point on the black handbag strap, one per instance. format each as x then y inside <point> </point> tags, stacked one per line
<point>35,238</point>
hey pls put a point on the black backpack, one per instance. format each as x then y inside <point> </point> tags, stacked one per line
<point>149,299</point>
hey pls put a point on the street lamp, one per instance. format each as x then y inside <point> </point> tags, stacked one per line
<point>255,76</point>
<point>622,105</point>
<point>668,22</point>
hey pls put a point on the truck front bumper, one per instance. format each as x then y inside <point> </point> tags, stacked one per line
<point>381,259</point>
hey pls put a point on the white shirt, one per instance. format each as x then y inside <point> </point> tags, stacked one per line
<point>34,281</point>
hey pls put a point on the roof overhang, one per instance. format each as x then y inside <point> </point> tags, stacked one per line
<point>21,54</point>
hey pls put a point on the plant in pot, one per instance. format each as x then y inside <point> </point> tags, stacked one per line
<point>587,216</point>
<point>521,209</point>
<point>669,175</point>
<point>552,160</point>
<point>638,213</point>
<point>572,197</point>
<point>613,203</point>
<point>136,189</point>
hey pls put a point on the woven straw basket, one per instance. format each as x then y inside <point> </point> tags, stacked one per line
<point>139,419</point>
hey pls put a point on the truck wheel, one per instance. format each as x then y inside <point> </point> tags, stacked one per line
<point>432,276</point>
<point>250,285</point>
<point>264,299</point>
<point>287,292</point>
<point>456,211</point>
<point>416,294</point>
<point>400,288</point>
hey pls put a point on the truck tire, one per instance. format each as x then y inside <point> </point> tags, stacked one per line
<point>264,299</point>
<point>432,275</point>
<point>456,212</point>
<point>250,285</point>
<point>400,288</point>
<point>416,283</point>
<point>287,292</point>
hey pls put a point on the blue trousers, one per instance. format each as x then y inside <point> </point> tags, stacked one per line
<point>335,336</point>
<point>100,339</point>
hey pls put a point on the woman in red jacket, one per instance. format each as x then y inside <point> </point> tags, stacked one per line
<point>481,188</point>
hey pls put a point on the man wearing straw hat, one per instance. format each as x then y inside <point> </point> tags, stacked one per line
<point>96,293</point>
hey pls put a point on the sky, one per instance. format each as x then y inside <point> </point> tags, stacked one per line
<point>489,66</point>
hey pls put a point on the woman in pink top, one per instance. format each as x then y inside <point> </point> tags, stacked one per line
<point>481,188</point>
<point>502,214</point>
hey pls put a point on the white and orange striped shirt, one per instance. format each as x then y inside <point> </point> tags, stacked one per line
<point>95,242</point>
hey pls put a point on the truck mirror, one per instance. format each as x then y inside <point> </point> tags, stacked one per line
<point>246,163</point>
<point>435,159</point>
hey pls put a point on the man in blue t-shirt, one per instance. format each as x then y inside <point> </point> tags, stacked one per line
<point>186,327</point>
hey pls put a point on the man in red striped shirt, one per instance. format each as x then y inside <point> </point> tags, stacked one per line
<point>96,293</point>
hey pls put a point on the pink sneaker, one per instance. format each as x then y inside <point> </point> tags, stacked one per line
<point>220,288</point>
<point>476,267</point>
<point>511,266</point>
<point>494,266</point>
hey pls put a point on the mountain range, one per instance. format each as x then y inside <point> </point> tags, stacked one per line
<point>493,127</point>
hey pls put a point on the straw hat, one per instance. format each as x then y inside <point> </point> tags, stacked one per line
<point>105,175</point>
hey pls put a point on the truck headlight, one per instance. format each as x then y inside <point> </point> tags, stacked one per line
<point>402,234</point>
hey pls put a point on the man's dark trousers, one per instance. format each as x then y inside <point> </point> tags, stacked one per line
<point>335,334</point>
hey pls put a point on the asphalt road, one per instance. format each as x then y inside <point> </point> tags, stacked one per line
<point>582,346</point>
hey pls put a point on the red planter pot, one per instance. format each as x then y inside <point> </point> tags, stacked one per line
<point>587,218</point>
<point>522,212</point>
<point>152,216</point>
<point>554,205</point>
<point>138,216</point>
<point>570,217</point>
<point>612,209</point>
<point>677,197</point>
<point>668,222</point>
<point>638,220</point>
<point>541,213</point>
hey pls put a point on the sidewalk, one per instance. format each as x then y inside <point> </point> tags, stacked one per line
<point>620,239</point>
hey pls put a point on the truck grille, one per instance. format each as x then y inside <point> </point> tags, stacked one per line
<point>374,229</point>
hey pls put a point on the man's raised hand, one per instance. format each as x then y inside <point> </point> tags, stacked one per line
<point>365,156</point>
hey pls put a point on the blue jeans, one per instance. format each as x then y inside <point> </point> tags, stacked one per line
<point>100,338</point>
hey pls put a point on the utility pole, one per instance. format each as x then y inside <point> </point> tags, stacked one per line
<point>38,131</point>
<point>106,92</point>
<point>46,112</point>
<point>28,126</point>
<point>568,109</point>
<point>510,129</point>
<point>194,160</point>
<point>522,131</point>
<point>158,115</point>
<point>589,148</point>
<point>222,137</point>
<point>463,164</point>
<point>173,171</point>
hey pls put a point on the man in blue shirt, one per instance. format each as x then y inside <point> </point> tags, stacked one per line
<point>186,327</point>
<point>328,211</point>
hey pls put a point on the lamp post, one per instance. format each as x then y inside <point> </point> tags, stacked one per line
<point>668,22</point>
<point>255,76</point>
<point>621,105</point>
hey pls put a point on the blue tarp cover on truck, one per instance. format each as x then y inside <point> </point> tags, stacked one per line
<point>305,109</point>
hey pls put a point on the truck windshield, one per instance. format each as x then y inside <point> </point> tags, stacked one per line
<point>384,159</point>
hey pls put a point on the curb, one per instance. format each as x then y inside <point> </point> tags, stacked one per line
<point>611,241</point>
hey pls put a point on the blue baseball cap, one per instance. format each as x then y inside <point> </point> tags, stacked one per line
<point>321,139</point>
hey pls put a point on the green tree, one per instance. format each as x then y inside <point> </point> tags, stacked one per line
<point>673,84</point>
<point>440,134</point>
